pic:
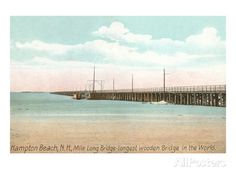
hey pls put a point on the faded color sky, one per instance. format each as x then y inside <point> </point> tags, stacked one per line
<point>58,53</point>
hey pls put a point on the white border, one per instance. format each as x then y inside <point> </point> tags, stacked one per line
<point>113,164</point>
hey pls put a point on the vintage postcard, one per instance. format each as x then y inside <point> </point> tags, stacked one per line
<point>118,84</point>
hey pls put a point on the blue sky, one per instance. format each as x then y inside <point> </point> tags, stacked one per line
<point>73,30</point>
<point>145,45</point>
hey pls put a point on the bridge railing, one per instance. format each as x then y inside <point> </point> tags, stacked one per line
<point>199,88</point>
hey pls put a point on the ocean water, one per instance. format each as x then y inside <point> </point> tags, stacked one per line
<point>47,106</point>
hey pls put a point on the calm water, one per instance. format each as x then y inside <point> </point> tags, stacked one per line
<point>46,106</point>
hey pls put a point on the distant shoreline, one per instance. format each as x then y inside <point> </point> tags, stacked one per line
<point>28,92</point>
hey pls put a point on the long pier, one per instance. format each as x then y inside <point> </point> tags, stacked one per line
<point>205,95</point>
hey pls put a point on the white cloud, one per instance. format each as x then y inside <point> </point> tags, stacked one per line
<point>157,52</point>
<point>207,38</point>
<point>100,51</point>
<point>113,52</point>
<point>47,47</point>
<point>208,41</point>
<point>117,32</point>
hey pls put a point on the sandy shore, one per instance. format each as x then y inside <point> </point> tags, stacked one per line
<point>117,136</point>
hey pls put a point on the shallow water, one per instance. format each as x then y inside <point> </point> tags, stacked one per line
<point>46,106</point>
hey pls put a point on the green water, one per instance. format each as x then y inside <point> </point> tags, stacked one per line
<point>46,106</point>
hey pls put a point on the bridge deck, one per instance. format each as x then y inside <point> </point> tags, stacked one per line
<point>205,95</point>
<point>201,88</point>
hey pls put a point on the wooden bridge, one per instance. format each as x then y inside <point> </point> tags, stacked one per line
<point>205,95</point>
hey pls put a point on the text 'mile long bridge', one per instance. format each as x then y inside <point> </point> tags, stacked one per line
<point>204,95</point>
